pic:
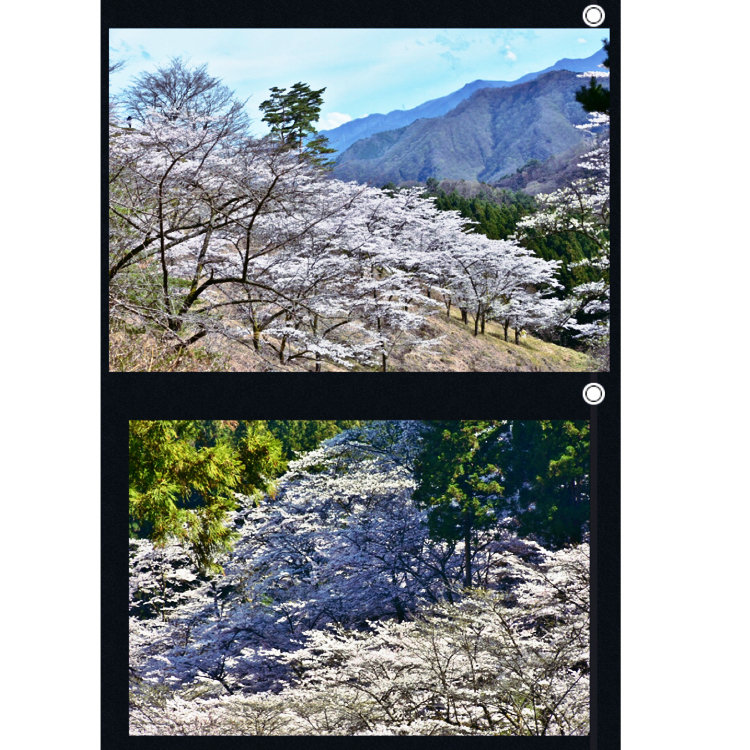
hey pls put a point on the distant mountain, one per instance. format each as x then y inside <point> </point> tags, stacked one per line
<point>487,137</point>
<point>544,177</point>
<point>342,137</point>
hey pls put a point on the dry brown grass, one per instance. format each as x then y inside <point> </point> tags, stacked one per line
<point>136,351</point>
<point>461,351</point>
<point>457,350</point>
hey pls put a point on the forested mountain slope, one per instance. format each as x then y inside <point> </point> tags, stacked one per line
<point>488,136</point>
<point>380,588</point>
<point>345,135</point>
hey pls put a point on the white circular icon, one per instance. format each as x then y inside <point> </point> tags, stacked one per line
<point>593,15</point>
<point>593,394</point>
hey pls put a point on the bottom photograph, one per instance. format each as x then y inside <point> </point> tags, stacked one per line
<point>298,577</point>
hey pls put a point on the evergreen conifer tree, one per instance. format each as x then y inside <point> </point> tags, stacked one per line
<point>546,465</point>
<point>456,481</point>
<point>291,114</point>
<point>184,476</point>
<point>179,491</point>
<point>594,97</point>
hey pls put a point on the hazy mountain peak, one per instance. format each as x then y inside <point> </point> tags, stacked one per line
<point>345,135</point>
<point>491,134</point>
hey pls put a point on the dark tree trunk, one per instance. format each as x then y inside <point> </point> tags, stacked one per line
<point>467,550</point>
<point>400,612</point>
<point>197,336</point>
<point>317,354</point>
<point>505,329</point>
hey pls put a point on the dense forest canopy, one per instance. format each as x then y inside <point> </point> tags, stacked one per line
<point>218,235</point>
<point>368,577</point>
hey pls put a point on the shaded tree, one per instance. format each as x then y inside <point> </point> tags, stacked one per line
<point>546,470</point>
<point>456,482</point>
<point>595,97</point>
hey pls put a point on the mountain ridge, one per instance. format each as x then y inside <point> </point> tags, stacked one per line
<point>345,135</point>
<point>486,137</point>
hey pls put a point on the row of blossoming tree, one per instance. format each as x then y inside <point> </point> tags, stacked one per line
<point>216,232</point>
<point>403,578</point>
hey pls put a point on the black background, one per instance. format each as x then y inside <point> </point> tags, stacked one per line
<point>127,396</point>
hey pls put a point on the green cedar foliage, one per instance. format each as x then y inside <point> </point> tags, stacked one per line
<point>471,472</point>
<point>184,476</point>
<point>594,97</point>
<point>179,491</point>
<point>456,481</point>
<point>570,248</point>
<point>546,464</point>
<point>261,454</point>
<point>297,436</point>
<point>496,215</point>
<point>254,444</point>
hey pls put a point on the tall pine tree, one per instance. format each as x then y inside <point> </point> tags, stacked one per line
<point>291,114</point>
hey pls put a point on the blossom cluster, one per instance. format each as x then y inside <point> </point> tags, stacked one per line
<point>338,613</point>
<point>209,235</point>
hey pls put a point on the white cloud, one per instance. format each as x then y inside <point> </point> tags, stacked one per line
<point>510,55</point>
<point>581,40</point>
<point>333,120</point>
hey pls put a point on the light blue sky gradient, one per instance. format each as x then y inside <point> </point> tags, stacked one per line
<point>364,70</point>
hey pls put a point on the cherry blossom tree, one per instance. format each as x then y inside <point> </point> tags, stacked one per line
<point>508,660</point>
<point>339,612</point>
<point>215,232</point>
<point>583,209</point>
<point>512,661</point>
<point>212,235</point>
<point>201,236</point>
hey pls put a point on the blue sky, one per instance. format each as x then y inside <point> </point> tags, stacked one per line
<point>364,70</point>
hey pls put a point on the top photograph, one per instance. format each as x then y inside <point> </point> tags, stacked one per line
<point>359,200</point>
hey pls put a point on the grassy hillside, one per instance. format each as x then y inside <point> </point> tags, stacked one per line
<point>460,350</point>
<point>457,350</point>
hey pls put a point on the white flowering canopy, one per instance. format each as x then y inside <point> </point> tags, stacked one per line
<point>338,614</point>
<point>211,234</point>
